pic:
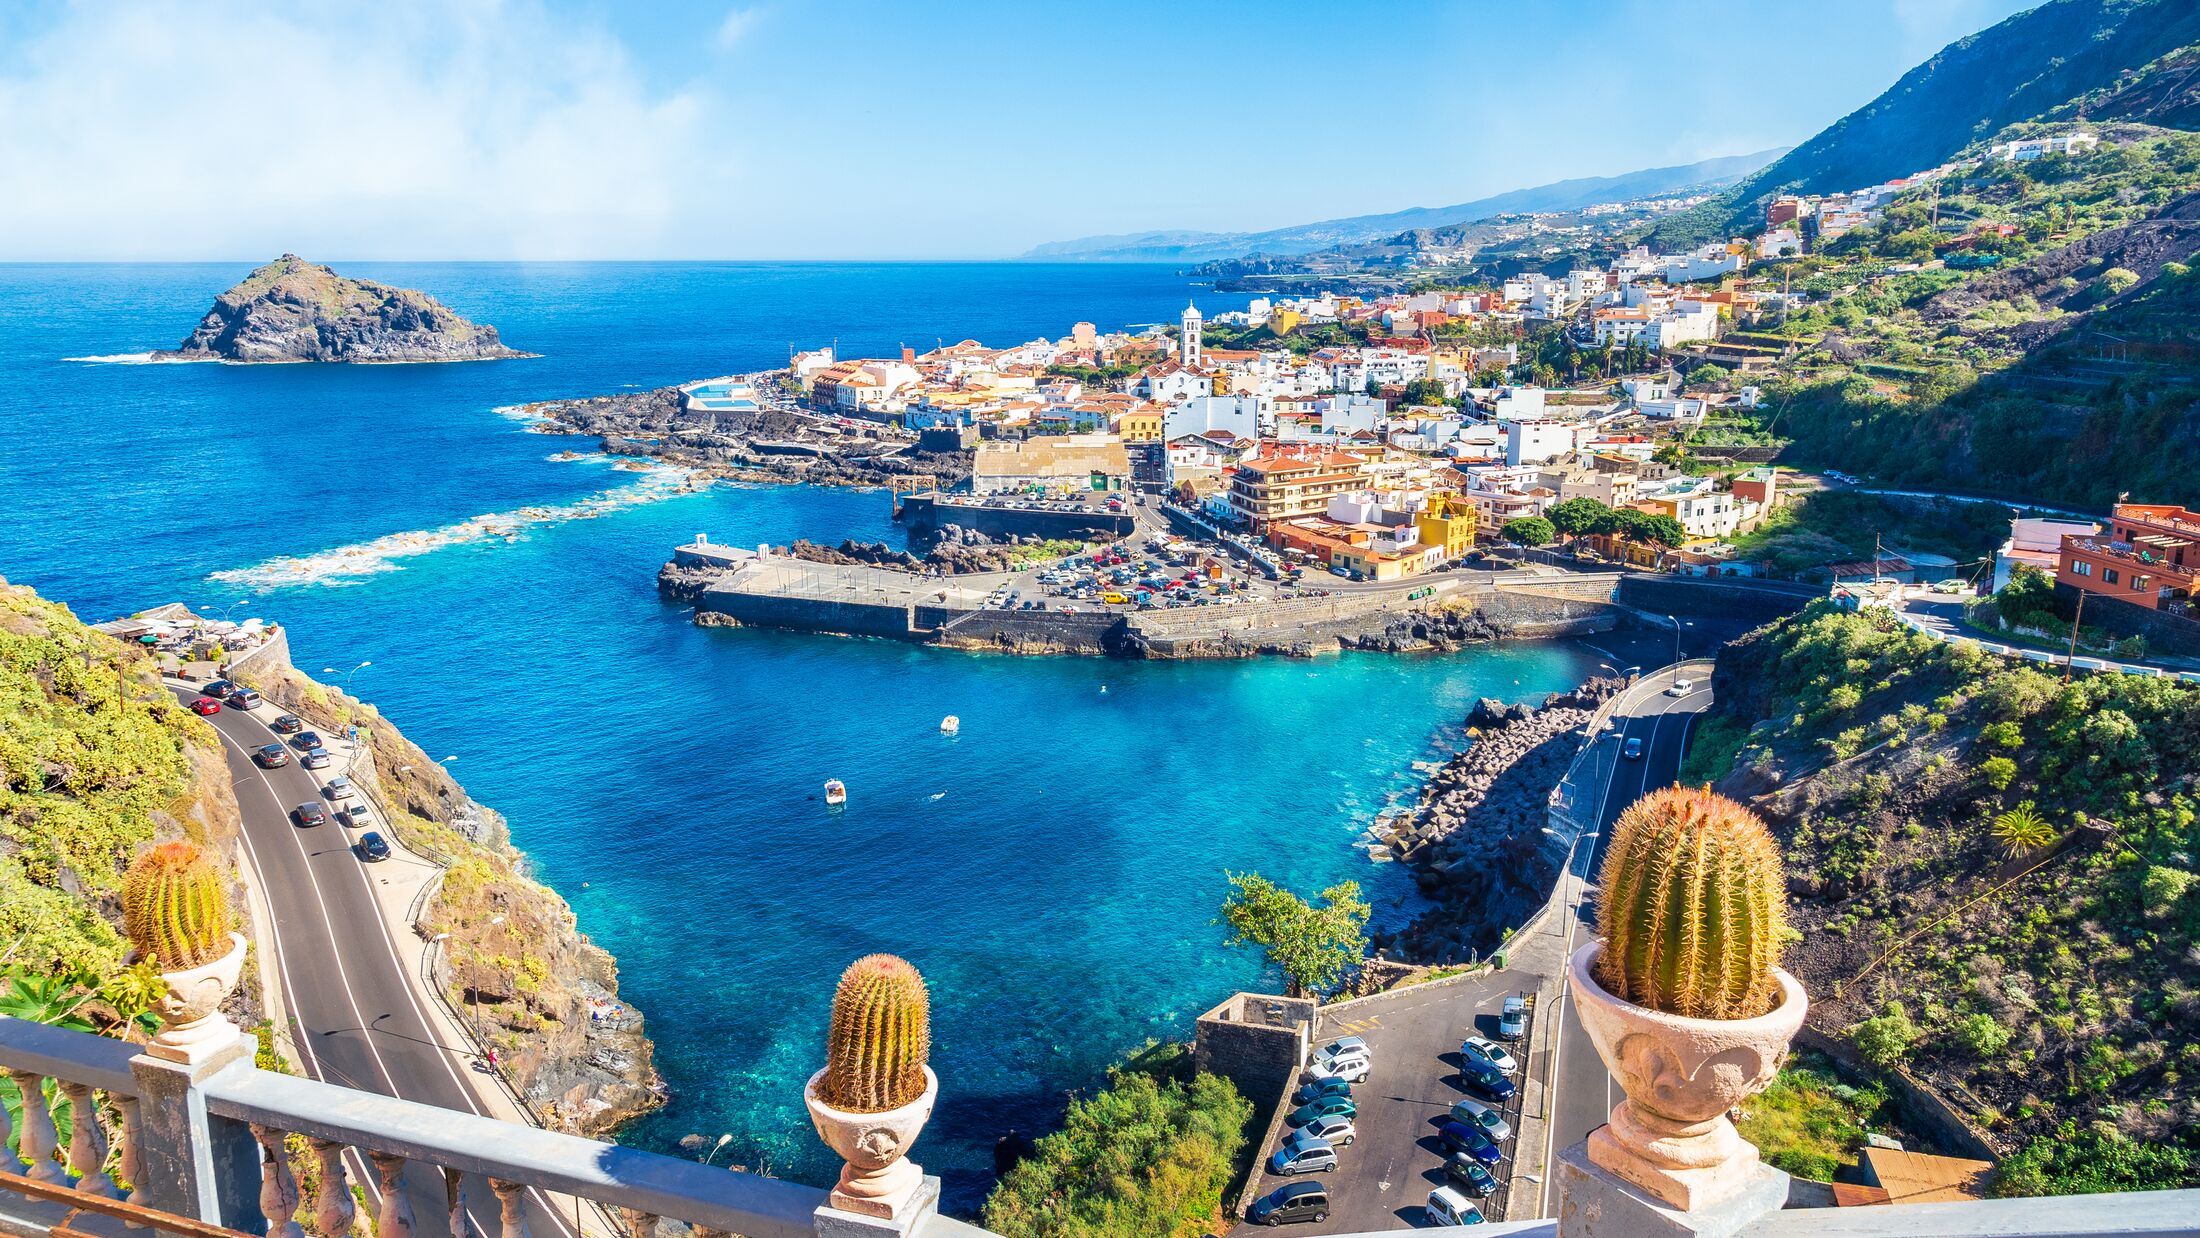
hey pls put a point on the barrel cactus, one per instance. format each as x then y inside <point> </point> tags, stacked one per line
<point>1694,908</point>
<point>881,1032</point>
<point>175,906</point>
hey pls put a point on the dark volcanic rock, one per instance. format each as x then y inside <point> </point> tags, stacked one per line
<point>294,310</point>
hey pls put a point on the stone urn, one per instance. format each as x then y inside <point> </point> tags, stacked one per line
<point>193,1027</point>
<point>878,1179</point>
<point>1671,1136</point>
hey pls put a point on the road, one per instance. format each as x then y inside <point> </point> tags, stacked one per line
<point>1383,1179</point>
<point>355,1019</point>
<point>1582,1090</point>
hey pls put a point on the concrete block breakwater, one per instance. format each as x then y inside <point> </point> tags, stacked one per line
<point>733,587</point>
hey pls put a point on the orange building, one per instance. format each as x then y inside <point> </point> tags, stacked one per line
<point>2149,555</point>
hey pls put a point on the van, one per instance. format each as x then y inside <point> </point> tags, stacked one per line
<point>1681,687</point>
<point>1446,1206</point>
<point>1112,598</point>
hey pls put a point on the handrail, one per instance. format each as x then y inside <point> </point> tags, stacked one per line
<point>665,1186</point>
<point>136,1216</point>
<point>62,1053</point>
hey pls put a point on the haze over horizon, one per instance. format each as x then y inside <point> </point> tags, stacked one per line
<point>546,129</point>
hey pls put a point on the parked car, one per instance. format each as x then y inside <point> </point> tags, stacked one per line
<point>1458,1137</point>
<point>1290,1204</point>
<point>338,788</point>
<point>1465,1173</point>
<point>1512,1021</point>
<point>355,815</point>
<point>1482,1117</point>
<point>317,758</point>
<point>1632,749</point>
<point>1337,1132</point>
<point>270,756</point>
<point>244,698</point>
<point>1330,1085</point>
<point>1302,1153</point>
<point>304,740</point>
<point>288,724</point>
<point>1326,1107</point>
<point>1340,1047</point>
<point>1681,687</point>
<point>1352,1068</point>
<point>1448,1207</point>
<point>308,815</point>
<point>1486,1079</point>
<point>1490,1051</point>
<point>206,705</point>
<point>372,848</point>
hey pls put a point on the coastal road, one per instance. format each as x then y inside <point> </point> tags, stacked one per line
<point>354,1017</point>
<point>1583,1092</point>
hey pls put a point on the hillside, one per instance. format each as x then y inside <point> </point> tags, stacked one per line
<point>1566,195</point>
<point>2044,978</point>
<point>294,310</point>
<point>2026,66</point>
<point>96,760</point>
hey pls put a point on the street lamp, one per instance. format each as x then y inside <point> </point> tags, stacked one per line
<point>1677,626</point>
<point>723,1140</point>
<point>345,676</point>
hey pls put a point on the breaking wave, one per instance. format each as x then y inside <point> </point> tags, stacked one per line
<point>346,565</point>
<point>139,358</point>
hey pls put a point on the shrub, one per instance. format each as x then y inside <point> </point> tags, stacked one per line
<point>2162,889</point>
<point>2003,734</point>
<point>2022,830</point>
<point>1997,772</point>
<point>1885,1041</point>
<point>2090,1160</point>
<point>1981,1036</point>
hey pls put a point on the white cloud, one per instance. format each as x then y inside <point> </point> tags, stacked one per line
<point>409,129</point>
<point>737,25</point>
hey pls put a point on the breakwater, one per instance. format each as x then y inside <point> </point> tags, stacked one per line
<point>926,515</point>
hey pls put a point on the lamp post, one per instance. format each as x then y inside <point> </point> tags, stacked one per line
<point>723,1140</point>
<point>344,677</point>
<point>1677,626</point>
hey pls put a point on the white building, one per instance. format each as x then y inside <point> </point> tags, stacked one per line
<point>1245,416</point>
<point>1534,442</point>
<point>1189,347</point>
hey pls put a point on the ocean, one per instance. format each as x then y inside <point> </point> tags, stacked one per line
<point>1055,869</point>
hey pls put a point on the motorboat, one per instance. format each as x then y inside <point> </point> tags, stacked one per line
<point>950,725</point>
<point>835,793</point>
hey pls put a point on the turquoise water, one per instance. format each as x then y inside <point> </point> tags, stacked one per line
<point>1054,869</point>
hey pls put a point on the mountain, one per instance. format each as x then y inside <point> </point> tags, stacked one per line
<point>1564,195</point>
<point>294,310</point>
<point>2024,67</point>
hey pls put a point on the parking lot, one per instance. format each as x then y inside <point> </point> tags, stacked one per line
<point>1383,1178</point>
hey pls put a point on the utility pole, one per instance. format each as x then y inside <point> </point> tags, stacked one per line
<point>2074,622</point>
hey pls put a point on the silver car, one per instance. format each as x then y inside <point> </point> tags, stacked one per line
<point>1303,1154</point>
<point>1478,1116</point>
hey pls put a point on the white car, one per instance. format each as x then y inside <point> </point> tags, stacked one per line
<point>1352,1068</point>
<point>1681,687</point>
<point>1447,1206</point>
<point>1489,1051</point>
<point>1342,1046</point>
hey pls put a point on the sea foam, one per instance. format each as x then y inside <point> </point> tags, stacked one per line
<point>347,565</point>
<point>139,358</point>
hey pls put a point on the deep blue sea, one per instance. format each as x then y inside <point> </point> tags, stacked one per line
<point>1054,870</point>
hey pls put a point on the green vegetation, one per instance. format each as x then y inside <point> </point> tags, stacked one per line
<point>1149,1155</point>
<point>1694,913</point>
<point>2053,1000</point>
<point>1839,526</point>
<point>880,1035</point>
<point>1314,945</point>
<point>96,760</point>
<point>1808,1122</point>
<point>1302,340</point>
<point>1528,531</point>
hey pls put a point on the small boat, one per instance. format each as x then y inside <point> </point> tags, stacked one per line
<point>835,793</point>
<point>950,725</point>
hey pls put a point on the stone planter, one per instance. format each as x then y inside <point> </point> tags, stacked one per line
<point>877,1180</point>
<point>193,1028</point>
<point>1671,1136</point>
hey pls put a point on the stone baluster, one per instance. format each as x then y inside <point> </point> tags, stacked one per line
<point>454,1195</point>
<point>39,1138</point>
<point>131,1164</point>
<point>8,1163</point>
<point>278,1189</point>
<point>511,1207</point>
<point>87,1141</point>
<point>332,1206</point>
<point>396,1220</point>
<point>639,1224</point>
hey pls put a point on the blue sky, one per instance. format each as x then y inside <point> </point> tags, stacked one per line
<point>138,129</point>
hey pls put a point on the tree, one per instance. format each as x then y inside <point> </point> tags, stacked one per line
<point>2022,830</point>
<point>1528,531</point>
<point>1577,516</point>
<point>1424,391</point>
<point>1314,944</point>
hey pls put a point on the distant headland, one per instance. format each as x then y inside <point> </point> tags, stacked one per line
<point>294,310</point>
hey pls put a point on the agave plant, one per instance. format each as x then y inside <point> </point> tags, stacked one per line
<point>1694,912</point>
<point>2022,830</point>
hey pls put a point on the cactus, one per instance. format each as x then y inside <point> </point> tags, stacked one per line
<point>881,1032</point>
<point>175,906</point>
<point>1694,910</point>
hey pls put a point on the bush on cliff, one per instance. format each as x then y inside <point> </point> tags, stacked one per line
<point>1147,1156</point>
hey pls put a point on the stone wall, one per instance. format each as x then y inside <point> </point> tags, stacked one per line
<point>734,607</point>
<point>1025,631</point>
<point>2163,632</point>
<point>1256,1041</point>
<point>1753,602</point>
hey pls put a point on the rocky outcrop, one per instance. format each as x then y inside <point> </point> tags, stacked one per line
<point>955,551</point>
<point>1475,840</point>
<point>294,310</point>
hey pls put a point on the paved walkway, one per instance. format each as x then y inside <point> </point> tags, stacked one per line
<point>1940,616</point>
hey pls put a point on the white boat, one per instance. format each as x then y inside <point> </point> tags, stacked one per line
<point>834,792</point>
<point>950,725</point>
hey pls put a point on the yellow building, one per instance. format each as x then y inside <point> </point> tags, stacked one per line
<point>1282,322</point>
<point>1450,524</point>
<point>1142,426</point>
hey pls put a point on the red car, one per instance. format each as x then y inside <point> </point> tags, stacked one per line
<point>206,705</point>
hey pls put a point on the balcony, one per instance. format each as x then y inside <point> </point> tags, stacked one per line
<point>195,1151</point>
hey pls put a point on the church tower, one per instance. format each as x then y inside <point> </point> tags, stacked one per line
<point>1189,351</point>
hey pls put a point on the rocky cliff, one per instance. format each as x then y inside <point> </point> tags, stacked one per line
<point>294,310</point>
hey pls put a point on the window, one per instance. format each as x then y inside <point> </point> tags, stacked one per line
<point>2108,575</point>
<point>2081,568</point>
